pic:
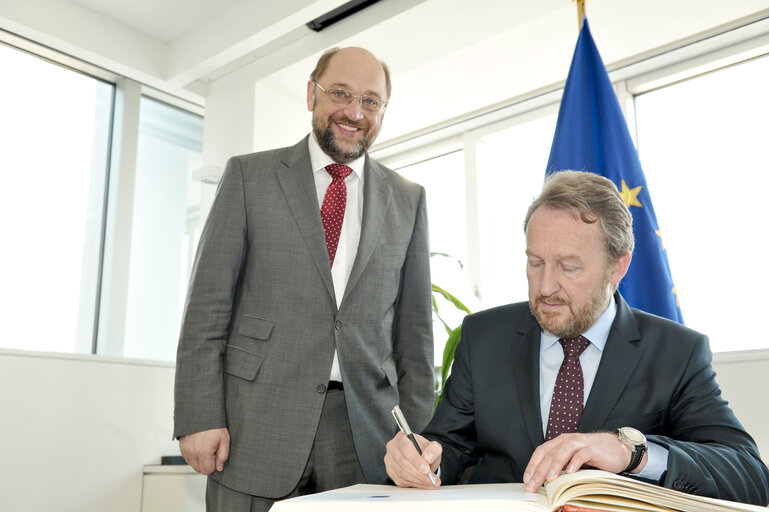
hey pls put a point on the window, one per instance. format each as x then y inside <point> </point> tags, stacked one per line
<point>443,179</point>
<point>54,132</point>
<point>511,169</point>
<point>702,144</point>
<point>164,229</point>
<point>503,175</point>
<point>55,212</point>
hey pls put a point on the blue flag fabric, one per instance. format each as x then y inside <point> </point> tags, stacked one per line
<point>592,135</point>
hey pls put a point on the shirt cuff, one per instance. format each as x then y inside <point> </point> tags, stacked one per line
<point>656,464</point>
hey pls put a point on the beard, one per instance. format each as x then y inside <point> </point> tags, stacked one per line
<point>329,144</point>
<point>578,322</point>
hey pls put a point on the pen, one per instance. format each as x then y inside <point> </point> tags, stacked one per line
<point>403,425</point>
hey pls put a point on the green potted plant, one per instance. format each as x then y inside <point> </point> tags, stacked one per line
<point>453,333</point>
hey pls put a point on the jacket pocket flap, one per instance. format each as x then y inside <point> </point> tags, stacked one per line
<point>241,363</point>
<point>388,367</point>
<point>254,327</point>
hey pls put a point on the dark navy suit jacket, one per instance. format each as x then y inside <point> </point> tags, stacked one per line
<point>655,375</point>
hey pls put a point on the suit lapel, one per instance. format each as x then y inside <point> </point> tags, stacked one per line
<point>525,357</point>
<point>376,200</point>
<point>620,356</point>
<point>298,185</point>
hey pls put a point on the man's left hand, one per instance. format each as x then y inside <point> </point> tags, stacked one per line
<point>570,452</point>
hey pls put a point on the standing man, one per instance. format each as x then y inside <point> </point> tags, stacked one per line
<point>575,378</point>
<point>308,314</point>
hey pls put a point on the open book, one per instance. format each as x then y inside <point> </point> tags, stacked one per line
<point>599,490</point>
<point>584,491</point>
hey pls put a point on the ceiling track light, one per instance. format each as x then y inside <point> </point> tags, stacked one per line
<point>338,14</point>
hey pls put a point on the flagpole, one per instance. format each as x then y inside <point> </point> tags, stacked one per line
<point>580,12</point>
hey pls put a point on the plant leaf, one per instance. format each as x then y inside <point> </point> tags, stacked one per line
<point>449,297</point>
<point>448,359</point>
<point>444,255</point>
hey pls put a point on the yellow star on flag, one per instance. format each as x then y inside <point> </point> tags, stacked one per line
<point>630,195</point>
<point>659,234</point>
<point>678,304</point>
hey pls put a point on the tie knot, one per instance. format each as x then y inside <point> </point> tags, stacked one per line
<point>338,171</point>
<point>573,347</point>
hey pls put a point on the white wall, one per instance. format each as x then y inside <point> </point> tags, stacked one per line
<point>77,430</point>
<point>744,380</point>
<point>243,116</point>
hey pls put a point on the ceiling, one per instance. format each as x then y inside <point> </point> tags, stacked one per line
<point>442,53</point>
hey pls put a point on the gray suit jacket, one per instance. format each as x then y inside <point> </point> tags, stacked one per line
<point>654,375</point>
<point>261,322</point>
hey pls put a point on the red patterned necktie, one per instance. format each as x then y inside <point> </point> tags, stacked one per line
<point>568,395</point>
<point>332,210</point>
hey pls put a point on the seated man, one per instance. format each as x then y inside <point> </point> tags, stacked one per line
<point>576,378</point>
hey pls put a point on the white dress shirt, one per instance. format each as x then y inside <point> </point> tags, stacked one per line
<point>550,359</point>
<point>349,237</point>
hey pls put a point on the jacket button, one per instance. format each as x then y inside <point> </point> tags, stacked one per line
<point>678,485</point>
<point>321,388</point>
<point>338,325</point>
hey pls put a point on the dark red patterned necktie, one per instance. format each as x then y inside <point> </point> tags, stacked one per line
<point>568,395</point>
<point>332,210</point>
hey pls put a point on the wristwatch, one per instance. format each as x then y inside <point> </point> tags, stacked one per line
<point>637,442</point>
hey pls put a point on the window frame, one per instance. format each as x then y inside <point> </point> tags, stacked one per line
<point>703,53</point>
<point>114,258</point>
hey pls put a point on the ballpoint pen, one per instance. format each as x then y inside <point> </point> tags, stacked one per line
<point>403,425</point>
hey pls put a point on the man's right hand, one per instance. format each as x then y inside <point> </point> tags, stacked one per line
<point>206,451</point>
<point>409,469</point>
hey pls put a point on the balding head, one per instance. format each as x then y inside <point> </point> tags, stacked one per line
<point>353,55</point>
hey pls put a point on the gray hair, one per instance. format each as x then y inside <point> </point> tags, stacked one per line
<point>592,198</point>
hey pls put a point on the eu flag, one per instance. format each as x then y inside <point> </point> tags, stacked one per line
<point>592,135</point>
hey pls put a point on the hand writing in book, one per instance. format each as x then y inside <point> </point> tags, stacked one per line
<point>409,469</point>
<point>570,452</point>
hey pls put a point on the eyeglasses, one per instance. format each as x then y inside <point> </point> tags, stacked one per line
<point>344,97</point>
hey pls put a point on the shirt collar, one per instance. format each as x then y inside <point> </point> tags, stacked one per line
<point>597,334</point>
<point>319,159</point>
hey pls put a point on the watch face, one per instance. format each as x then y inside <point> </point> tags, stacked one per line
<point>632,435</point>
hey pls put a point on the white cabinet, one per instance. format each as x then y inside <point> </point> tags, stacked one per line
<point>173,489</point>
